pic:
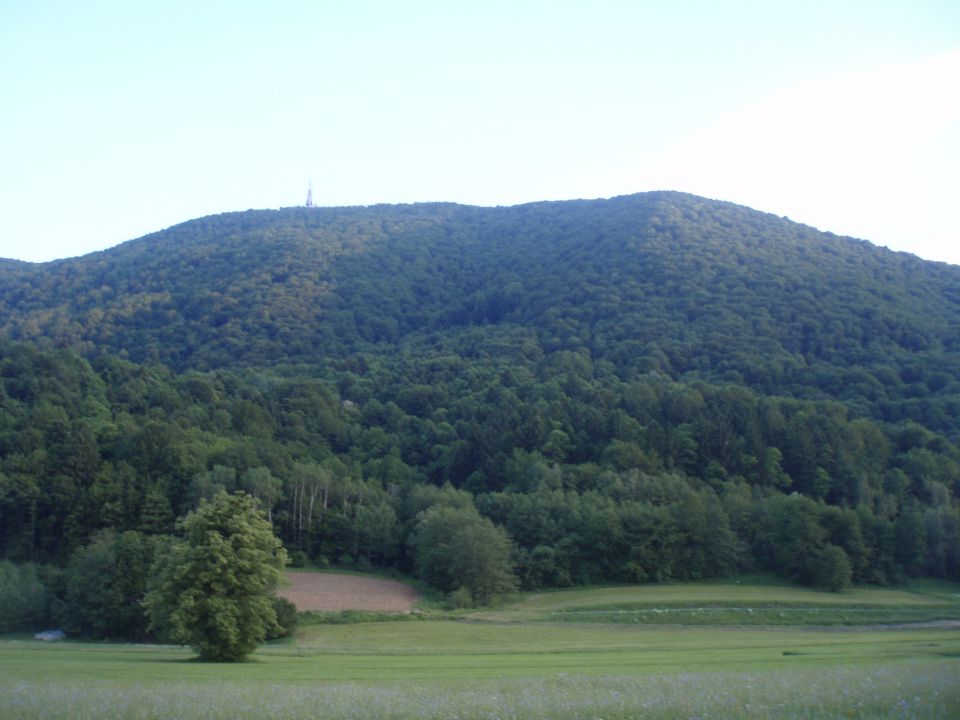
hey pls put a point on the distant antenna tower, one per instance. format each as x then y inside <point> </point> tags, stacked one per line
<point>310,194</point>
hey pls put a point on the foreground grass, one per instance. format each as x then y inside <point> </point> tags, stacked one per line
<point>456,651</point>
<point>513,663</point>
<point>927,691</point>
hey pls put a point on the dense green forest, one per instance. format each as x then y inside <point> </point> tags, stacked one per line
<point>647,388</point>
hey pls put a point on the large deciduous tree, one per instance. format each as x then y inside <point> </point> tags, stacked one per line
<point>457,549</point>
<point>215,588</point>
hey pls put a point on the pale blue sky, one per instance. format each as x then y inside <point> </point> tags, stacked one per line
<point>118,118</point>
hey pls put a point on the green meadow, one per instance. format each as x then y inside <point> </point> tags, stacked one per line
<point>759,600</point>
<point>517,662</point>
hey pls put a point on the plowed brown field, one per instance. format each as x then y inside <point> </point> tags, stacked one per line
<point>328,591</point>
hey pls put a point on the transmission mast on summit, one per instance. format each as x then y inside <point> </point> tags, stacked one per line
<point>310,194</point>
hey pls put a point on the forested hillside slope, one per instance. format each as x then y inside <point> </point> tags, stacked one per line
<point>656,282</point>
<point>649,387</point>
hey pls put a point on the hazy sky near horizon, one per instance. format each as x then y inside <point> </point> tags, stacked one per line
<point>121,118</point>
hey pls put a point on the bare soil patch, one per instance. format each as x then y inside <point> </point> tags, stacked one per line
<point>323,592</point>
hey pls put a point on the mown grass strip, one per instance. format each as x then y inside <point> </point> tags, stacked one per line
<point>462,651</point>
<point>774,615</point>
<point>736,594</point>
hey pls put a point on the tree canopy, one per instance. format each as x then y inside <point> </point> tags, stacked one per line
<point>648,388</point>
<point>457,549</point>
<point>215,586</point>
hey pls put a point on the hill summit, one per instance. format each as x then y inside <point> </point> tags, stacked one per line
<point>660,281</point>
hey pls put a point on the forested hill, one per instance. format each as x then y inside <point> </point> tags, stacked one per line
<point>662,282</point>
<point>650,387</point>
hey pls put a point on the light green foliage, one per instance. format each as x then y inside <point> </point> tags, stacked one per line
<point>215,587</point>
<point>263,487</point>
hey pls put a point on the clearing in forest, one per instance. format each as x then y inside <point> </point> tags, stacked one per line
<point>331,592</point>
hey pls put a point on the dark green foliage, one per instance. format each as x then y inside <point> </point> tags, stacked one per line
<point>287,619</point>
<point>665,483</point>
<point>298,559</point>
<point>458,551</point>
<point>28,597</point>
<point>652,387</point>
<point>659,282</point>
<point>106,582</point>
<point>830,569</point>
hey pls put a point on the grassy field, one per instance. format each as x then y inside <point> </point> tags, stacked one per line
<point>513,663</point>
<point>880,692</point>
<point>770,602</point>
